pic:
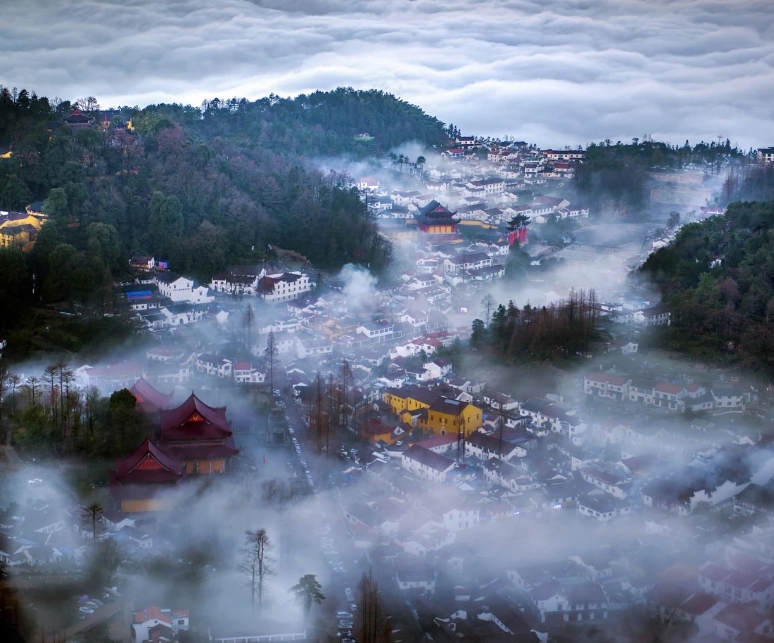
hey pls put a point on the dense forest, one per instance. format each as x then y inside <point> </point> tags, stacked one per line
<point>614,179</point>
<point>718,279</point>
<point>202,188</point>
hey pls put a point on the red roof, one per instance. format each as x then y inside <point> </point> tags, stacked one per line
<point>666,387</point>
<point>148,464</point>
<point>698,604</point>
<point>149,613</point>
<point>148,398</point>
<point>193,420</point>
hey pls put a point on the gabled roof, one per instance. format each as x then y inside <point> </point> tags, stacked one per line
<point>150,613</point>
<point>428,458</point>
<point>194,419</point>
<point>148,398</point>
<point>148,464</point>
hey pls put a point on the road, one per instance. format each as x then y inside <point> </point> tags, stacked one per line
<point>335,544</point>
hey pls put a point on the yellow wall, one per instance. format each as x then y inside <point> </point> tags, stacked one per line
<point>408,403</point>
<point>205,466</point>
<point>145,504</point>
<point>7,155</point>
<point>445,423</point>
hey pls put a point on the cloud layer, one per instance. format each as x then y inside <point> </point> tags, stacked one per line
<point>561,73</point>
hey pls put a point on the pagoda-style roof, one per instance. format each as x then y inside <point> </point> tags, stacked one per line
<point>76,117</point>
<point>148,398</point>
<point>435,214</point>
<point>148,465</point>
<point>194,420</point>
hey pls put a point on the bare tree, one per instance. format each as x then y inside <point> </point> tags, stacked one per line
<point>92,514</point>
<point>488,304</point>
<point>257,562</point>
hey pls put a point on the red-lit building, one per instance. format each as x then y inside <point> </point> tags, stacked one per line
<point>199,435</point>
<point>148,398</point>
<point>436,219</point>
<point>142,481</point>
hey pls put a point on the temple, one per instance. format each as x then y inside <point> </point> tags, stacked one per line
<point>436,219</point>
<point>198,435</point>
<point>141,481</point>
<point>148,398</point>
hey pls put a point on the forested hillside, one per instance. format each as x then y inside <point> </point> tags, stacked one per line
<point>613,179</point>
<point>200,187</point>
<point>718,279</point>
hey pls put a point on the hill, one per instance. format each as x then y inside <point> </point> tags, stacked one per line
<point>202,188</point>
<point>718,279</point>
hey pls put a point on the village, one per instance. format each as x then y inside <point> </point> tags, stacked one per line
<point>655,470</point>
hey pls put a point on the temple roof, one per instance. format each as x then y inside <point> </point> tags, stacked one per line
<point>194,420</point>
<point>434,212</point>
<point>148,464</point>
<point>148,398</point>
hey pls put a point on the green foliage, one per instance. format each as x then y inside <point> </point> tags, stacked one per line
<point>718,277</point>
<point>201,188</point>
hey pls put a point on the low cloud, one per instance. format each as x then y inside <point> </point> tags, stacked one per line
<point>565,73</point>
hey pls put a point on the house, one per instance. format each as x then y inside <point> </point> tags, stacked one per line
<point>426,464</point>
<point>181,314</point>
<point>614,387</point>
<point>575,602</point>
<point>143,263</point>
<point>420,577</point>
<point>216,365</point>
<point>447,415</point>
<point>602,507</point>
<point>181,289</point>
<point>148,398</point>
<point>246,373</point>
<point>483,446</point>
<point>144,622</point>
<point>466,261</point>
<point>282,287</point>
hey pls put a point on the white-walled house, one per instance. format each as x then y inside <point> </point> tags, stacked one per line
<point>181,289</point>
<point>426,464</point>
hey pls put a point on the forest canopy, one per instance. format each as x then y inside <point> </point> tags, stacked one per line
<point>200,187</point>
<point>718,279</point>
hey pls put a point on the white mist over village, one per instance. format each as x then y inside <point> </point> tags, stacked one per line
<point>336,420</point>
<point>376,323</point>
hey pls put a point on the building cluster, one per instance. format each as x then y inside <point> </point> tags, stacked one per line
<point>484,186</point>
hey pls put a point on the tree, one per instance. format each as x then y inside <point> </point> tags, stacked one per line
<point>478,333</point>
<point>257,562</point>
<point>371,623</point>
<point>105,560</point>
<point>307,591</point>
<point>271,355</point>
<point>91,515</point>
<point>488,304</point>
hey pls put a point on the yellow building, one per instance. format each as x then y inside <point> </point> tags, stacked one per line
<point>20,229</point>
<point>409,398</point>
<point>450,416</point>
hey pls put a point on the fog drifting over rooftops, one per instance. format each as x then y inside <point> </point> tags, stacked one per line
<point>562,73</point>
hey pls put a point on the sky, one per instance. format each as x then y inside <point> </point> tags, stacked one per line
<point>555,73</point>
